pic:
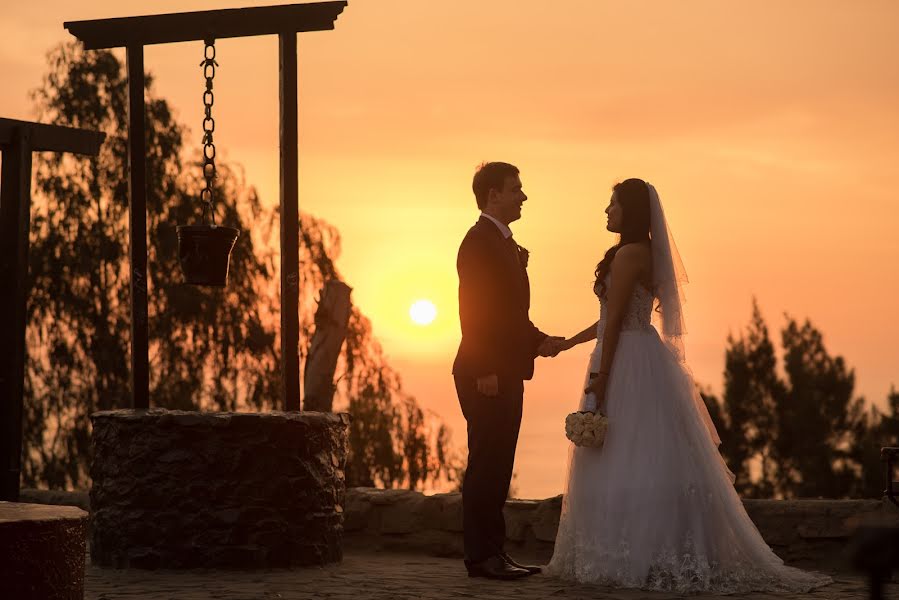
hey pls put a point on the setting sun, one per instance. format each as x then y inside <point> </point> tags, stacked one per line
<point>423,312</point>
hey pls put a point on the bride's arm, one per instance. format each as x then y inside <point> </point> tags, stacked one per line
<point>629,263</point>
<point>586,335</point>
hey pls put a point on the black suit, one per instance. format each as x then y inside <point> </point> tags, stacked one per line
<point>497,338</point>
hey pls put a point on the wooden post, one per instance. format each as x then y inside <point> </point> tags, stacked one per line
<point>15,219</point>
<point>290,223</point>
<point>18,139</point>
<point>137,220</point>
<point>331,319</point>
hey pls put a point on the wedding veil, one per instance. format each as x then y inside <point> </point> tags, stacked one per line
<point>668,279</point>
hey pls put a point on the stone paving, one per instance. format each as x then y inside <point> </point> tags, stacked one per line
<point>383,576</point>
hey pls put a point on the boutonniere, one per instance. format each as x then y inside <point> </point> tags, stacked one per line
<point>523,255</point>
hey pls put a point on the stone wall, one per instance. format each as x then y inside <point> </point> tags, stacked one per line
<point>230,490</point>
<point>802,532</point>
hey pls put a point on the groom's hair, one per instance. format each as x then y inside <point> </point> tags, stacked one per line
<point>490,176</point>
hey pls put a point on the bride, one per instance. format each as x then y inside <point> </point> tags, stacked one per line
<point>655,507</point>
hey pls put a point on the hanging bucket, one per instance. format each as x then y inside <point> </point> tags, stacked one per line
<point>205,252</point>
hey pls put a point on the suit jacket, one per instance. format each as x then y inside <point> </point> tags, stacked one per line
<point>494,299</point>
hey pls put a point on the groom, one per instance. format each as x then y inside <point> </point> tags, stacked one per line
<point>495,357</point>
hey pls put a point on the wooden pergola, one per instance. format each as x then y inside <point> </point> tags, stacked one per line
<point>18,140</point>
<point>133,33</point>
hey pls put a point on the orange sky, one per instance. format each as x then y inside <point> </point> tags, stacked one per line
<point>769,128</point>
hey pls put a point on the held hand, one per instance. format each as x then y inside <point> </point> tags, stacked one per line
<point>565,344</point>
<point>488,385</point>
<point>551,346</point>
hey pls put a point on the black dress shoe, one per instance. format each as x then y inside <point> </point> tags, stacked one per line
<point>531,569</point>
<point>495,567</point>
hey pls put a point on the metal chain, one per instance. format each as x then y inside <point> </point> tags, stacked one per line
<point>209,172</point>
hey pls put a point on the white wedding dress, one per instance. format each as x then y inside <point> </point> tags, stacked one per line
<point>655,507</point>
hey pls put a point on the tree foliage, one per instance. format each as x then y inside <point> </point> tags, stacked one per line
<point>798,431</point>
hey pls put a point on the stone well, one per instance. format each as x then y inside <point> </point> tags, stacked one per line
<point>174,489</point>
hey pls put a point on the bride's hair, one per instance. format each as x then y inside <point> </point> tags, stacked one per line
<point>633,197</point>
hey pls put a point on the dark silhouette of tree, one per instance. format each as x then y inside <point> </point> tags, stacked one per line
<point>818,418</point>
<point>888,424</point>
<point>752,392</point>
<point>210,348</point>
<point>804,434</point>
<point>875,431</point>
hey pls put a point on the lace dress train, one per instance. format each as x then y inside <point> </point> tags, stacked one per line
<point>655,508</point>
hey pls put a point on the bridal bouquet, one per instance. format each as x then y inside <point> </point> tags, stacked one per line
<point>585,428</point>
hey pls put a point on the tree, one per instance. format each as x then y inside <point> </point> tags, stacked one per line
<point>803,435</point>
<point>875,431</point>
<point>818,418</point>
<point>210,349</point>
<point>888,425</point>
<point>752,392</point>
<point>394,443</point>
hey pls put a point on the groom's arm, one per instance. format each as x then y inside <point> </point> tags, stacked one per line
<point>478,305</point>
<point>536,337</point>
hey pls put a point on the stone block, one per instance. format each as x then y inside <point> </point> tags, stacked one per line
<point>42,551</point>
<point>174,489</point>
<point>546,519</point>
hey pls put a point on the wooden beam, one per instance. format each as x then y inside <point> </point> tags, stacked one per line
<point>15,217</point>
<point>193,26</point>
<point>290,223</point>
<point>137,230</point>
<point>52,138</point>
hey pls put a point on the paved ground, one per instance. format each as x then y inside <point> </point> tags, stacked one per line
<point>382,577</point>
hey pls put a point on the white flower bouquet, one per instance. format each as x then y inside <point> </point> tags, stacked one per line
<point>587,429</point>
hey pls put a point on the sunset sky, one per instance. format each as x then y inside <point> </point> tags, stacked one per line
<point>770,129</point>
